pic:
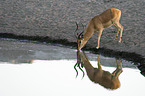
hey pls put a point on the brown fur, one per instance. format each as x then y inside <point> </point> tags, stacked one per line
<point>102,77</point>
<point>98,23</point>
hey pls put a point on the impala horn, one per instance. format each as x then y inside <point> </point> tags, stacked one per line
<point>79,36</point>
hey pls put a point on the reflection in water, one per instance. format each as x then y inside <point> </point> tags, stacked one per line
<point>79,64</point>
<point>17,52</point>
<point>57,78</point>
<point>21,61</point>
<point>53,62</point>
<point>16,56</point>
<point>97,75</point>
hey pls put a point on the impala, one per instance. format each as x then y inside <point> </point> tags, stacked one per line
<point>98,23</point>
<point>98,75</point>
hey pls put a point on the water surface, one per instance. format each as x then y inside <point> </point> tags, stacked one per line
<point>35,69</point>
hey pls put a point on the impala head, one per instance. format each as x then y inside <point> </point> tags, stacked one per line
<point>79,36</point>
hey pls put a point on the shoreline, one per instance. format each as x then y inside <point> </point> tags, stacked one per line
<point>135,58</point>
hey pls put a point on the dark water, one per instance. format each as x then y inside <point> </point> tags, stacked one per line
<point>34,69</point>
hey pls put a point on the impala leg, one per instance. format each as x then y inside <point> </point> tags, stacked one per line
<point>99,65</point>
<point>121,32</point>
<point>118,70</point>
<point>120,65</point>
<point>99,37</point>
<point>119,28</point>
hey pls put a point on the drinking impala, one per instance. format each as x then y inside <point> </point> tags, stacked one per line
<point>98,23</point>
